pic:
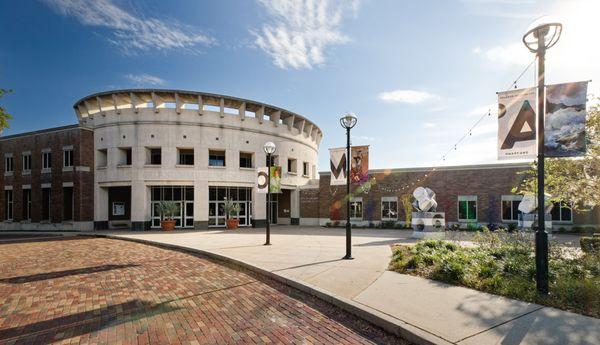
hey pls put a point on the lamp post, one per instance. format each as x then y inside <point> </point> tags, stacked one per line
<point>543,34</point>
<point>348,121</point>
<point>269,149</point>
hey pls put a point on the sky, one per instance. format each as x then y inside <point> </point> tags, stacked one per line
<point>418,74</point>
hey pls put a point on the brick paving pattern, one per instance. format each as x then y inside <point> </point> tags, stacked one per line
<point>103,291</point>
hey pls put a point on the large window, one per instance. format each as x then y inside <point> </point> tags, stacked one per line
<point>26,158</point>
<point>125,156</point>
<point>154,156</point>
<point>389,208</point>
<point>26,204</point>
<point>186,156</point>
<point>216,203</point>
<point>292,166</point>
<point>216,158</point>
<point>102,158</point>
<point>356,209</point>
<point>274,160</point>
<point>8,204</point>
<point>245,160</point>
<point>467,208</point>
<point>183,196</point>
<point>68,157</point>
<point>562,212</point>
<point>510,207</point>
<point>8,163</point>
<point>46,160</point>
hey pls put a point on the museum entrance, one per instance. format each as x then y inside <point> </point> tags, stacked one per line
<point>183,196</point>
<point>216,205</point>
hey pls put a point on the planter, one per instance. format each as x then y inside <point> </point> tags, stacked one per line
<point>168,225</point>
<point>232,224</point>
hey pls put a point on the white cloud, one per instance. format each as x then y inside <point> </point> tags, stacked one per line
<point>300,30</point>
<point>131,32</point>
<point>145,79</point>
<point>513,54</point>
<point>407,96</point>
<point>428,125</point>
<point>484,109</point>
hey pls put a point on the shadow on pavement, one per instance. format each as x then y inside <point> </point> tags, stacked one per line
<point>60,274</point>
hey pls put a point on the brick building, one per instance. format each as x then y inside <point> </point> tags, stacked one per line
<point>479,194</point>
<point>46,180</point>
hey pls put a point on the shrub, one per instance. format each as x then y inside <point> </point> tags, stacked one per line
<point>590,245</point>
<point>328,224</point>
<point>484,228</point>
<point>577,229</point>
<point>472,227</point>
<point>590,229</point>
<point>562,229</point>
<point>512,227</point>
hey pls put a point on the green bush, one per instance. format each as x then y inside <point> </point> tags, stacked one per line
<point>577,229</point>
<point>328,224</point>
<point>472,227</point>
<point>590,245</point>
<point>590,229</point>
<point>504,264</point>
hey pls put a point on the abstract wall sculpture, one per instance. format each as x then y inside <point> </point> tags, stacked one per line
<point>426,222</point>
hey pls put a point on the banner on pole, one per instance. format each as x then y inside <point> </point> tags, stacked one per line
<point>338,166</point>
<point>516,124</point>
<point>564,127</point>
<point>359,170</point>
<point>262,182</point>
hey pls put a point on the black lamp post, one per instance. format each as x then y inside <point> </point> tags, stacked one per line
<point>269,148</point>
<point>348,121</point>
<point>541,37</point>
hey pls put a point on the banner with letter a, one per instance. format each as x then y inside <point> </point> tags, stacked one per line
<point>564,127</point>
<point>516,124</point>
<point>338,166</point>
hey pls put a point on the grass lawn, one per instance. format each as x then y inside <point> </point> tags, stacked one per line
<point>504,264</point>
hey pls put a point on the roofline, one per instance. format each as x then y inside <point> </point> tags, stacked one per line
<point>518,165</point>
<point>41,131</point>
<point>216,95</point>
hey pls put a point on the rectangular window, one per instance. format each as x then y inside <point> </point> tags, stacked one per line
<point>8,205</point>
<point>125,156</point>
<point>292,166</point>
<point>245,160</point>
<point>26,204</point>
<point>154,156</point>
<point>305,169</point>
<point>102,158</point>
<point>562,212</point>
<point>67,158</point>
<point>216,158</point>
<point>46,203</point>
<point>26,158</point>
<point>467,208</point>
<point>510,207</point>
<point>46,160</point>
<point>183,196</point>
<point>356,209</point>
<point>67,203</point>
<point>186,156</point>
<point>389,208</point>
<point>8,163</point>
<point>274,160</point>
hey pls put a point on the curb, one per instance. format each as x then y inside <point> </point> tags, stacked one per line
<point>392,325</point>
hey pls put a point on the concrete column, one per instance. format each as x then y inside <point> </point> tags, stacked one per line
<point>259,209</point>
<point>100,208</point>
<point>140,205</point>
<point>295,207</point>
<point>200,205</point>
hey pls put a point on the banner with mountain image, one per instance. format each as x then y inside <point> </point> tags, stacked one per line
<point>516,124</point>
<point>564,127</point>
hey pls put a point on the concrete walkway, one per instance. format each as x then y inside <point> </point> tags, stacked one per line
<point>444,313</point>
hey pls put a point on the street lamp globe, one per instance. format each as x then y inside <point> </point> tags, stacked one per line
<point>545,28</point>
<point>269,148</point>
<point>348,121</point>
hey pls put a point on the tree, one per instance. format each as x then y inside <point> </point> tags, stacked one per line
<point>4,116</point>
<point>406,200</point>
<point>574,180</point>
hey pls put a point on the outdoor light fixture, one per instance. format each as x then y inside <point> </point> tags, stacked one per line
<point>542,35</point>
<point>269,149</point>
<point>348,121</point>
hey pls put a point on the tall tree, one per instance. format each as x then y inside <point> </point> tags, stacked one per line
<point>4,116</point>
<point>574,180</point>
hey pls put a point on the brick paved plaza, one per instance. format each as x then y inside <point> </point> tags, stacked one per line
<point>102,291</point>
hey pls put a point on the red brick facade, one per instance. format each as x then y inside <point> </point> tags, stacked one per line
<point>79,176</point>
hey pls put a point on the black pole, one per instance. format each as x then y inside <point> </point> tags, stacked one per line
<point>541,236</point>
<point>268,242</point>
<point>348,225</point>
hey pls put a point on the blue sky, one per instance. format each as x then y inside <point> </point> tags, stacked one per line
<point>417,73</point>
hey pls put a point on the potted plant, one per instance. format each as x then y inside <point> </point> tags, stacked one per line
<point>232,209</point>
<point>167,210</point>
